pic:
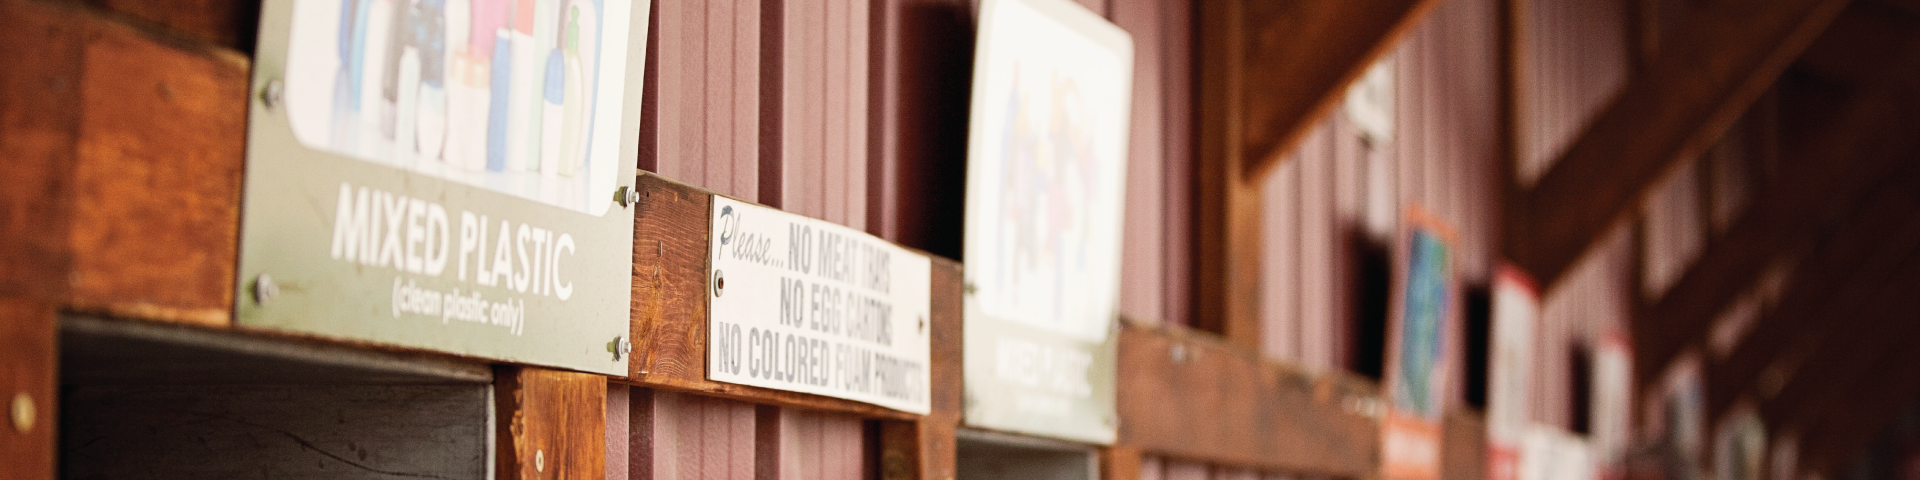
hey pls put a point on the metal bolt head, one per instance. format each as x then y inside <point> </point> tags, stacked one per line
<point>626,196</point>
<point>264,289</point>
<point>23,412</point>
<point>539,460</point>
<point>719,282</point>
<point>621,347</point>
<point>271,93</point>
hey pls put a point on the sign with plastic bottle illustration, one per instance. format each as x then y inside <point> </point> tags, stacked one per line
<point>1421,331</point>
<point>1046,170</point>
<point>445,174</point>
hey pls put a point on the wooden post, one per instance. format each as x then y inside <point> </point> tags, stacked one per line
<point>550,423</point>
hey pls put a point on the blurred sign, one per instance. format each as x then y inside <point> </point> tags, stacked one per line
<point>442,174</point>
<point>810,306</point>
<point>1046,170</point>
<point>1418,360</point>
<point>1516,315</point>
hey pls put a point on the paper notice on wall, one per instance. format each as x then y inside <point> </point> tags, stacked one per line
<point>1516,310</point>
<point>809,306</point>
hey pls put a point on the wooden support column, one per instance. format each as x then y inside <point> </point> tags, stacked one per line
<point>28,361</point>
<point>924,448</point>
<point>1870,140</point>
<point>550,423</point>
<point>1723,56</point>
<point>1268,71</point>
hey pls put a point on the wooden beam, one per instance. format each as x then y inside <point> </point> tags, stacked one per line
<point>1268,71</point>
<point>1866,252</point>
<point>1196,397</point>
<point>1823,177</point>
<point>551,423</point>
<point>124,148</point>
<point>1722,57</point>
<point>1300,56</point>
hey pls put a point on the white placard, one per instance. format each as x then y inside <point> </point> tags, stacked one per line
<point>808,306</point>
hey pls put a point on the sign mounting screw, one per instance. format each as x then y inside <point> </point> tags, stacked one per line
<point>626,196</point>
<point>264,289</point>
<point>539,460</point>
<point>271,94</point>
<point>23,413</point>
<point>719,282</point>
<point>621,347</point>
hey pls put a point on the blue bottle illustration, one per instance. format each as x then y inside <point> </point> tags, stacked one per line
<point>552,110</point>
<point>501,84</point>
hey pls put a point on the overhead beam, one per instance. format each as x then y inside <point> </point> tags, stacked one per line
<point>1299,58</point>
<point>1825,290</point>
<point>1724,55</point>
<point>1268,70</point>
<point>1822,178</point>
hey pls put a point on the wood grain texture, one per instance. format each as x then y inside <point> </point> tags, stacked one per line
<point>1193,397</point>
<point>550,423</point>
<point>924,448</point>
<point>1723,57</point>
<point>127,146</point>
<point>28,360</point>
<point>38,130</point>
<point>157,193</point>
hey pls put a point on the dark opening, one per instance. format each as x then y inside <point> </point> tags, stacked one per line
<point>1580,377</point>
<point>1479,328</point>
<point>1373,285</point>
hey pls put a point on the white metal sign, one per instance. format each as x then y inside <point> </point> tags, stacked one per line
<point>808,306</point>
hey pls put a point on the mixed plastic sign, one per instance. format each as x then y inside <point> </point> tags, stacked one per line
<point>443,175</point>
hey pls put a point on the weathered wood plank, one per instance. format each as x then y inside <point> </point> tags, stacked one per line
<point>128,148</point>
<point>1723,56</point>
<point>1195,397</point>
<point>27,381</point>
<point>550,423</point>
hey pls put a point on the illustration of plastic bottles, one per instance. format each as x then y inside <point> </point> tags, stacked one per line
<point>497,104</point>
<point>372,56</point>
<point>570,132</point>
<point>346,93</point>
<point>522,98</point>
<point>431,112</point>
<point>551,113</point>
